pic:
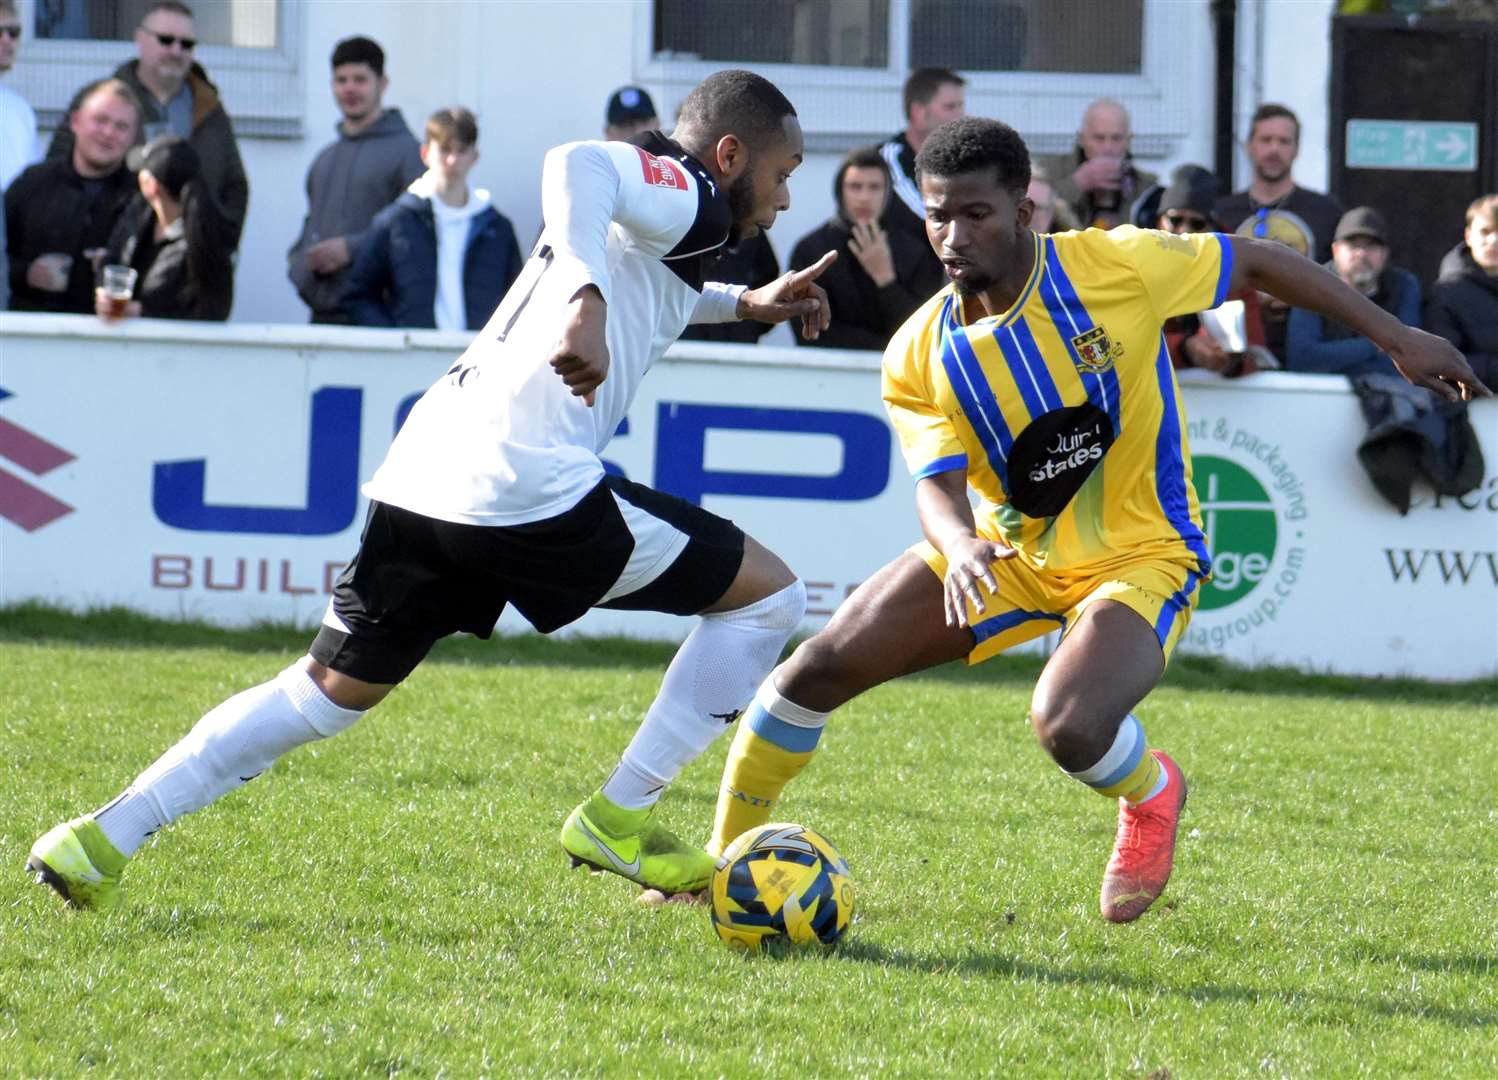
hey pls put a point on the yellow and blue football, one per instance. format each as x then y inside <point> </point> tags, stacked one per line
<point>781,881</point>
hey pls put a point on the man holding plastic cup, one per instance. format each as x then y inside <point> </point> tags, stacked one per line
<point>59,213</point>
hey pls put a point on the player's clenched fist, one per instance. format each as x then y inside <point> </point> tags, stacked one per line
<point>581,356</point>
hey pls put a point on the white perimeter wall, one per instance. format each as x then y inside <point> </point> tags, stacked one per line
<point>181,460</point>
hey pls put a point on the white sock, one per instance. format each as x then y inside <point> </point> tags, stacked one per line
<point>226,749</point>
<point>711,678</point>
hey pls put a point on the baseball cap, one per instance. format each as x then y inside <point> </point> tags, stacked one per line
<point>1191,188</point>
<point>1362,221</point>
<point>627,104</point>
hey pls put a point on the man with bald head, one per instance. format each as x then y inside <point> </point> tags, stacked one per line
<point>1100,181</point>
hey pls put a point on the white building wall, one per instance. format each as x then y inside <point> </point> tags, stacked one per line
<point>537,72</point>
<point>1285,56</point>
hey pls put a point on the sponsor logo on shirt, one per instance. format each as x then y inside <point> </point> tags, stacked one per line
<point>1070,450</point>
<point>1095,350</point>
<point>1053,457</point>
<point>662,172</point>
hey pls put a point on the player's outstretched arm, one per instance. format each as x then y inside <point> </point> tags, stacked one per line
<point>791,295</point>
<point>941,503</point>
<point>1423,359</point>
<point>581,356</point>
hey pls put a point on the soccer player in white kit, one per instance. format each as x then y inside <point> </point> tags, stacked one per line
<point>493,493</point>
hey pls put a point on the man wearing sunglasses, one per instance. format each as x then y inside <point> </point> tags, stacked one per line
<point>177,97</point>
<point>1186,207</point>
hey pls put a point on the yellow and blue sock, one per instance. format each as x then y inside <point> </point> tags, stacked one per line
<point>775,740</point>
<point>1128,770</point>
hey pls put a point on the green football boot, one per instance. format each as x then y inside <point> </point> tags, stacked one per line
<point>629,843</point>
<point>80,864</point>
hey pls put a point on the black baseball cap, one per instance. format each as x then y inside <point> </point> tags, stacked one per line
<point>1362,221</point>
<point>629,104</point>
<point>1191,188</point>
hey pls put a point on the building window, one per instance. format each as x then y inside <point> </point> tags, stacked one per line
<point>1035,63</point>
<point>1080,36</point>
<point>849,33</point>
<point>1028,35</point>
<point>242,24</point>
<point>251,50</point>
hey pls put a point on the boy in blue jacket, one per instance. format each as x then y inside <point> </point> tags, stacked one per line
<point>440,256</point>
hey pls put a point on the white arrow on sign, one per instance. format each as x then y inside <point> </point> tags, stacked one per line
<point>1453,147</point>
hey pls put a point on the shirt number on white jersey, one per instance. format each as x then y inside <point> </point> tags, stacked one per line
<point>520,292</point>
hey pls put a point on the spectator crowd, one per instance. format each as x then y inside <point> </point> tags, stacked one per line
<point>145,174</point>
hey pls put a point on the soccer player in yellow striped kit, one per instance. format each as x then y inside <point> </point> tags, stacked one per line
<point>1039,378</point>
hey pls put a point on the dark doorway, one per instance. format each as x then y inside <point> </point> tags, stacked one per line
<point>1432,70</point>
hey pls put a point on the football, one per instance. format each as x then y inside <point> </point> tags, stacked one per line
<point>781,882</point>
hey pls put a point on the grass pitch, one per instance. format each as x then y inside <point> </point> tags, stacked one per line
<point>394,902</point>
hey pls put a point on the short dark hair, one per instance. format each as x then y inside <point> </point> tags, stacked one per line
<point>974,143</point>
<point>737,102</point>
<point>174,6</point>
<point>865,157</point>
<point>1271,111</point>
<point>454,125</point>
<point>860,157</point>
<point>360,50</point>
<point>923,84</point>
<point>8,6</point>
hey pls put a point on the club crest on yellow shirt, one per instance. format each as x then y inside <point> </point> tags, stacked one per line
<point>1095,350</point>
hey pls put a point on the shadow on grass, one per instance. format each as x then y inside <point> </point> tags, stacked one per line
<point>994,965</point>
<point>40,624</point>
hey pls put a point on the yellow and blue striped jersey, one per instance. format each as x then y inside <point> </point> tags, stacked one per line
<point>1064,410</point>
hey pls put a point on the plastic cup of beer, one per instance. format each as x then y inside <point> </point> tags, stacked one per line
<point>118,286</point>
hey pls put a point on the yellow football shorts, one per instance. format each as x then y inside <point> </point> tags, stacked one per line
<point>1031,602</point>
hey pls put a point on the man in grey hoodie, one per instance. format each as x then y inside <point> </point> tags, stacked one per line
<point>372,161</point>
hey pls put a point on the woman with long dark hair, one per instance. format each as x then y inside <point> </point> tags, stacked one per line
<point>175,238</point>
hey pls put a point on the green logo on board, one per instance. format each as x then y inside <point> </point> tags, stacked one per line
<point>1241,528</point>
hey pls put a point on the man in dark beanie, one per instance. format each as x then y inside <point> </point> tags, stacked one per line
<point>1186,207</point>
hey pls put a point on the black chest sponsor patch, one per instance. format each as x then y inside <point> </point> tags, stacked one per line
<point>1054,456</point>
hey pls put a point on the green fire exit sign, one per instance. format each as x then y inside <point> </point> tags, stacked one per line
<point>1448,146</point>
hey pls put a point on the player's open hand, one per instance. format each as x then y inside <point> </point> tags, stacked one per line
<point>581,356</point>
<point>795,294</point>
<point>969,571</point>
<point>870,246</point>
<point>1434,363</point>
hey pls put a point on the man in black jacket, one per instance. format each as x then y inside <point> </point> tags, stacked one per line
<point>175,95</point>
<point>1463,305</point>
<point>59,213</point>
<point>881,275</point>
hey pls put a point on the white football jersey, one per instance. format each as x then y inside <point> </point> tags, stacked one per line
<point>500,439</point>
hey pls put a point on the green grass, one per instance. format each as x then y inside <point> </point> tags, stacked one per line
<point>393,902</point>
